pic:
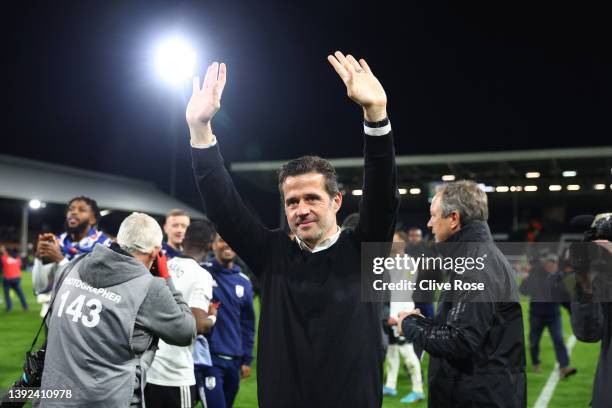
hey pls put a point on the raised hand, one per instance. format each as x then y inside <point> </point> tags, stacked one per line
<point>361,85</point>
<point>48,248</point>
<point>205,101</point>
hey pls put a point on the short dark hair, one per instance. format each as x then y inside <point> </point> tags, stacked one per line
<point>310,164</point>
<point>91,203</point>
<point>199,235</point>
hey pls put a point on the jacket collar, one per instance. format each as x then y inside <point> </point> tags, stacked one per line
<point>474,232</point>
<point>217,265</point>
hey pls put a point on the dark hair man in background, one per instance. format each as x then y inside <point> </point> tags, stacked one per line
<point>170,380</point>
<point>544,283</point>
<point>231,342</point>
<point>80,237</point>
<point>319,345</point>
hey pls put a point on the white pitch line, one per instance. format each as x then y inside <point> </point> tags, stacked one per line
<point>553,379</point>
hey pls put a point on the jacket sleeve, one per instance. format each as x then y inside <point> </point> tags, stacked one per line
<point>459,337</point>
<point>380,201</point>
<point>43,275</point>
<point>223,205</point>
<point>463,332</point>
<point>166,315</point>
<point>247,326</point>
<point>587,320</point>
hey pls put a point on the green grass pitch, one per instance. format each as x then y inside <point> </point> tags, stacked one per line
<point>17,330</point>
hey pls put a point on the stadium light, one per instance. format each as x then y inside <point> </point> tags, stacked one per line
<point>531,188</point>
<point>569,173</point>
<point>532,174</point>
<point>448,177</point>
<point>599,186</point>
<point>175,60</point>
<point>415,191</point>
<point>573,187</point>
<point>357,192</point>
<point>35,204</point>
<point>554,187</point>
<point>502,189</point>
<point>402,191</point>
<point>487,189</point>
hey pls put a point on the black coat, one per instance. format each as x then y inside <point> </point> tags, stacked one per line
<point>476,339</point>
<point>592,322</point>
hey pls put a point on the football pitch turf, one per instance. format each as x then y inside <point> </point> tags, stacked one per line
<point>17,330</point>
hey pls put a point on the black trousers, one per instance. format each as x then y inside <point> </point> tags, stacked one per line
<point>159,396</point>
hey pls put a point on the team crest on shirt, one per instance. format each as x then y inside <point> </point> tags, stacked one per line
<point>210,382</point>
<point>239,291</point>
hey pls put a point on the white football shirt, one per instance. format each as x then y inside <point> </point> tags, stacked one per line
<point>173,365</point>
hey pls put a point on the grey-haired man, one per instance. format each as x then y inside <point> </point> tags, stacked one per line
<point>107,314</point>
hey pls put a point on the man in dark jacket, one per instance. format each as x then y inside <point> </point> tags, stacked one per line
<point>545,286</point>
<point>476,338</point>
<point>592,321</point>
<point>319,345</point>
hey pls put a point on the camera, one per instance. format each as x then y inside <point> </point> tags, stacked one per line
<point>593,261</point>
<point>601,228</point>
<point>31,378</point>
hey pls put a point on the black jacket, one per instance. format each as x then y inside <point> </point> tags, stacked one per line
<point>476,339</point>
<point>592,322</point>
<point>319,345</point>
<point>547,292</point>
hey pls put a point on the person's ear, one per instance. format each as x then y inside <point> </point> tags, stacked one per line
<point>455,220</point>
<point>337,202</point>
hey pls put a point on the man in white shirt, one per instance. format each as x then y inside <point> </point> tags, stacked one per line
<point>170,379</point>
<point>401,301</point>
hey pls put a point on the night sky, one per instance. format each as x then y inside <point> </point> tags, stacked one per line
<point>79,86</point>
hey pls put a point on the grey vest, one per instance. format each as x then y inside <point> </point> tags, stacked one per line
<point>89,343</point>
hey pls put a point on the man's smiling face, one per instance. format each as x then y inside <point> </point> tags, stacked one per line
<point>310,210</point>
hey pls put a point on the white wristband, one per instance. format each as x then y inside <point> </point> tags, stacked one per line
<point>213,318</point>
<point>204,145</point>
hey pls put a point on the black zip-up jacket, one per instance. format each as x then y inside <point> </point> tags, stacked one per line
<point>592,322</point>
<point>318,344</point>
<point>476,339</point>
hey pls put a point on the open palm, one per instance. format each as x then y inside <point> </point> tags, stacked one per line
<point>205,101</point>
<point>361,84</point>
